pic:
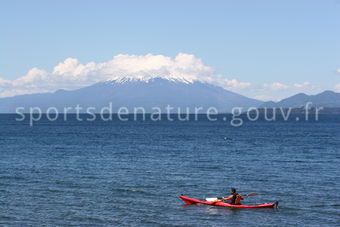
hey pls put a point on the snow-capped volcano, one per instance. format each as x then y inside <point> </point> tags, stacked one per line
<point>181,94</point>
<point>71,74</point>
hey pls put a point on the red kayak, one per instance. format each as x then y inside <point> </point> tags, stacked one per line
<point>190,201</point>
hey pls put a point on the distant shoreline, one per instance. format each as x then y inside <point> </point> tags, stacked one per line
<point>325,110</point>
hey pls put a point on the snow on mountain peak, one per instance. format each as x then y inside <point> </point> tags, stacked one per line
<point>129,79</point>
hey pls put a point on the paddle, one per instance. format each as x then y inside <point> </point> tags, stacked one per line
<point>214,199</point>
<point>251,194</point>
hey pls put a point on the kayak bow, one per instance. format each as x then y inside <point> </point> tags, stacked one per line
<point>190,201</point>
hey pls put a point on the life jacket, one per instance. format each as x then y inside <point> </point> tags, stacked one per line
<point>236,199</point>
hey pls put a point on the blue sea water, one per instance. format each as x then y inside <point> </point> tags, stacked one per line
<point>115,173</point>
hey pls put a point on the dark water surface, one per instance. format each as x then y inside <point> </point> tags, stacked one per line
<point>131,173</point>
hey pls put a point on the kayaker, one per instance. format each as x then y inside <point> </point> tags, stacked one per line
<point>234,198</point>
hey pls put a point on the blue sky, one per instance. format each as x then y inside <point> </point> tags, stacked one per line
<point>258,42</point>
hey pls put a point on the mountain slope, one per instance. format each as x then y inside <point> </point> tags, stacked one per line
<point>324,99</point>
<point>155,92</point>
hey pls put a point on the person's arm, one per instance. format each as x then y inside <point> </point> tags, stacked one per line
<point>228,198</point>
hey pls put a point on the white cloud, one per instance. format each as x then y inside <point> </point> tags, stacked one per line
<point>302,85</point>
<point>277,91</point>
<point>263,97</point>
<point>276,86</point>
<point>71,74</point>
<point>236,84</point>
<point>337,87</point>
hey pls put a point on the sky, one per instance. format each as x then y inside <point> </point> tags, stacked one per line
<point>262,49</point>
